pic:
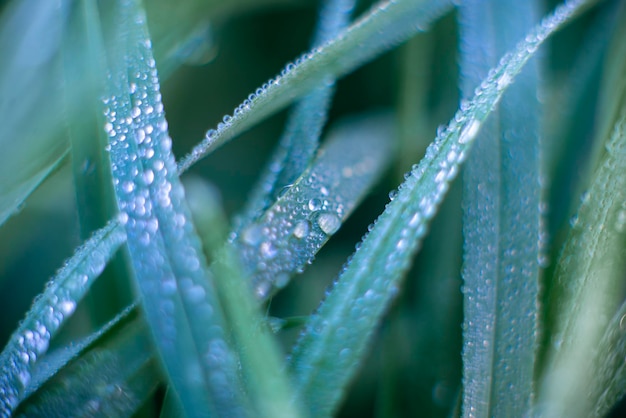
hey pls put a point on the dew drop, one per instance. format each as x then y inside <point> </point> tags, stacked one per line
<point>268,250</point>
<point>301,229</point>
<point>315,204</point>
<point>329,223</point>
<point>253,235</point>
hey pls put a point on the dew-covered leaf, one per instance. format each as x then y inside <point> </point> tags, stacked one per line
<point>171,273</point>
<point>589,278</point>
<point>309,212</point>
<point>387,24</point>
<point>298,143</point>
<point>49,312</point>
<point>262,364</point>
<point>55,360</point>
<point>335,338</point>
<point>110,380</point>
<point>500,229</point>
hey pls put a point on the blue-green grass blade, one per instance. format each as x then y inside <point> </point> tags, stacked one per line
<point>501,224</point>
<point>50,310</point>
<point>110,380</point>
<point>289,234</point>
<point>262,363</point>
<point>590,270</point>
<point>171,273</point>
<point>298,143</point>
<point>387,24</point>
<point>54,361</point>
<point>336,337</point>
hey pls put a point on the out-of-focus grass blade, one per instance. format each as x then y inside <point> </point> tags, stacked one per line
<point>385,25</point>
<point>590,275</point>
<point>299,223</point>
<point>262,364</point>
<point>92,177</point>
<point>112,380</point>
<point>30,99</point>
<point>31,87</point>
<point>90,164</point>
<point>54,361</point>
<point>301,137</point>
<point>501,224</point>
<point>568,130</point>
<point>609,377</point>
<point>49,312</point>
<point>178,300</point>
<point>335,338</point>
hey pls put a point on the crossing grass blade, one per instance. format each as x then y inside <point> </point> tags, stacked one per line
<point>335,338</point>
<point>111,379</point>
<point>178,298</point>
<point>289,234</point>
<point>386,24</point>
<point>266,381</point>
<point>300,140</point>
<point>50,311</point>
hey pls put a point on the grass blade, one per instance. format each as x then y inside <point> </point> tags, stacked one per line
<point>261,360</point>
<point>589,276</point>
<point>49,312</point>
<point>297,146</point>
<point>501,230</point>
<point>178,299</point>
<point>293,229</point>
<point>112,380</point>
<point>387,23</point>
<point>335,338</point>
<point>30,35</point>
<point>609,377</point>
<point>54,361</point>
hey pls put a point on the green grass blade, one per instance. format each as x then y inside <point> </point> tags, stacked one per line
<point>297,146</point>
<point>178,299</point>
<point>335,338</point>
<point>609,377</point>
<point>293,229</point>
<point>501,224</point>
<point>261,360</point>
<point>54,361</point>
<point>387,24</point>
<point>590,275</point>
<point>111,380</point>
<point>49,312</point>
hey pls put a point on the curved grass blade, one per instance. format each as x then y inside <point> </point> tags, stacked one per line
<point>386,25</point>
<point>590,277</point>
<point>297,146</point>
<point>298,224</point>
<point>54,361</point>
<point>49,312</point>
<point>112,380</point>
<point>178,300</point>
<point>335,338</point>
<point>261,360</point>
<point>501,225</point>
